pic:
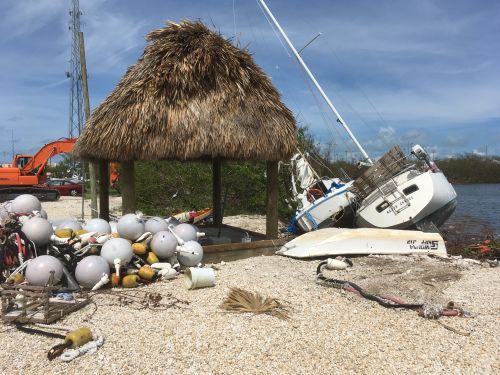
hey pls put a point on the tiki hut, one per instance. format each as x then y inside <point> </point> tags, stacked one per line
<point>192,95</point>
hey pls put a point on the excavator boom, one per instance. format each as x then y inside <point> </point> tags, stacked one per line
<point>26,173</point>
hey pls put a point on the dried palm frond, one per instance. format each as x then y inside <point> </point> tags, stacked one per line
<point>240,300</point>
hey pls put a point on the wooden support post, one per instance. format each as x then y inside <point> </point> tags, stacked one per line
<point>92,166</point>
<point>272,200</point>
<point>217,191</point>
<point>127,177</point>
<point>104,190</point>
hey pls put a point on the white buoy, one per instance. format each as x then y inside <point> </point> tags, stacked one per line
<point>187,232</point>
<point>39,268</point>
<point>98,225</point>
<point>117,252</point>
<point>38,230</point>
<point>90,270</point>
<point>69,224</point>
<point>25,203</point>
<point>130,226</point>
<point>163,244</point>
<point>190,254</point>
<point>155,225</point>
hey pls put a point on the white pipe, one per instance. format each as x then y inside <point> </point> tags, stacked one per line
<point>311,76</point>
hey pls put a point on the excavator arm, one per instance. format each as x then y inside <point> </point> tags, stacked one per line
<point>37,164</point>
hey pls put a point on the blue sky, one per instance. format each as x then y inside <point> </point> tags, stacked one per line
<point>399,71</point>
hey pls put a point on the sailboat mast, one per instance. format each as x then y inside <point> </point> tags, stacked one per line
<point>313,79</point>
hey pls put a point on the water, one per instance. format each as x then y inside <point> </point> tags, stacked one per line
<point>478,208</point>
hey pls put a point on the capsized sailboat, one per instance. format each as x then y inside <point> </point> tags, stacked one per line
<point>392,193</point>
<point>322,202</point>
<point>395,193</point>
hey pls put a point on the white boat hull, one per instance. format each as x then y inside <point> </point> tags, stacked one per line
<point>330,206</point>
<point>363,241</point>
<point>434,200</point>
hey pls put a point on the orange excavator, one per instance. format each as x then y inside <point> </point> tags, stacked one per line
<point>25,175</point>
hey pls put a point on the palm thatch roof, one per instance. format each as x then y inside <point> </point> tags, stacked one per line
<point>191,95</point>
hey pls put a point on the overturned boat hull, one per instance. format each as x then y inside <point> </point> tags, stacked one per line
<point>363,241</point>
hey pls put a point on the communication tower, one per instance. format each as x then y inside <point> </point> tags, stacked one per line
<point>76,113</point>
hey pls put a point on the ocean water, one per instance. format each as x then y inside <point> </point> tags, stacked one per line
<point>478,209</point>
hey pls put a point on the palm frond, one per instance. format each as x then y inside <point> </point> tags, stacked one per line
<point>240,300</point>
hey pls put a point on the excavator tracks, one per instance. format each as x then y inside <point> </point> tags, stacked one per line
<point>43,194</point>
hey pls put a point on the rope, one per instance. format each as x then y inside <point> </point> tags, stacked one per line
<point>90,347</point>
<point>350,286</point>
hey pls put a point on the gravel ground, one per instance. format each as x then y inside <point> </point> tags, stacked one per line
<point>71,207</point>
<point>328,331</point>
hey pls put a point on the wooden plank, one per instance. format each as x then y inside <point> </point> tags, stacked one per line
<point>104,190</point>
<point>85,91</point>
<point>245,245</point>
<point>272,200</point>
<point>217,191</point>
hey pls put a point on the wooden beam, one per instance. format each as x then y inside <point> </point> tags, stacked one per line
<point>92,165</point>
<point>217,191</point>
<point>104,190</point>
<point>127,178</point>
<point>272,200</point>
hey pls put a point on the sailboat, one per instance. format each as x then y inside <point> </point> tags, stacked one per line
<point>392,193</point>
<point>322,201</point>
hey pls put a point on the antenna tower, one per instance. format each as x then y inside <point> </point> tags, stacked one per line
<point>75,75</point>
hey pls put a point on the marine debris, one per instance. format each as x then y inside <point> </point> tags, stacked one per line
<point>426,310</point>
<point>50,268</point>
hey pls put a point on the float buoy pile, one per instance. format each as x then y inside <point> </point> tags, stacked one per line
<point>127,253</point>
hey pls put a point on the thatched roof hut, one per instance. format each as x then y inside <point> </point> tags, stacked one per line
<point>192,95</point>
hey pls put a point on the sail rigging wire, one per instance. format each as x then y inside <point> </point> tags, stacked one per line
<point>234,19</point>
<point>262,39</point>
<point>356,84</point>
<point>316,83</point>
<point>274,30</point>
<point>324,114</point>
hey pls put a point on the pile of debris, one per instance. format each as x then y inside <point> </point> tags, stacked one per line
<point>63,258</point>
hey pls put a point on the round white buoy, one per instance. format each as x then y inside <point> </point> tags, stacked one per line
<point>155,225</point>
<point>38,230</point>
<point>98,225</point>
<point>130,226</point>
<point>187,232</point>
<point>191,254</point>
<point>38,270</point>
<point>25,203</point>
<point>69,224</point>
<point>163,244</point>
<point>90,270</point>
<point>117,248</point>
